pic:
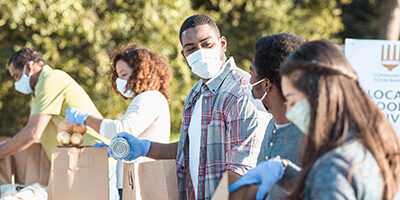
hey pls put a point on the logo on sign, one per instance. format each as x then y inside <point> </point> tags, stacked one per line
<point>390,59</point>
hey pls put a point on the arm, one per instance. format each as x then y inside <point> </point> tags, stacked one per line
<point>94,122</point>
<point>27,136</point>
<point>163,151</point>
<point>143,147</point>
<point>291,173</point>
<point>141,113</point>
<point>329,180</point>
<point>266,174</point>
<point>242,133</point>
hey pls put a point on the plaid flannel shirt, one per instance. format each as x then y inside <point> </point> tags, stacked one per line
<point>231,134</point>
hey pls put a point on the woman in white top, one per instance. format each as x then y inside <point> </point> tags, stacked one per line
<point>143,76</point>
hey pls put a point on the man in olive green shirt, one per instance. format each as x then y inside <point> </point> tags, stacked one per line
<point>52,92</point>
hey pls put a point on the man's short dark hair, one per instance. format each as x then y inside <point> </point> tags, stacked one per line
<point>271,51</point>
<point>19,58</point>
<point>197,20</point>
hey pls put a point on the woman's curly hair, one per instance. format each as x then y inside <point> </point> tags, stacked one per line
<point>151,71</point>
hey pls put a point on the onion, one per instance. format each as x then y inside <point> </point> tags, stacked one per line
<point>76,139</point>
<point>63,138</point>
<point>79,129</point>
<point>65,126</point>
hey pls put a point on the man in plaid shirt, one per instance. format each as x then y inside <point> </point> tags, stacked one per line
<point>221,128</point>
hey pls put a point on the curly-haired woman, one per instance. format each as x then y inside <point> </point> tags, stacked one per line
<point>142,75</point>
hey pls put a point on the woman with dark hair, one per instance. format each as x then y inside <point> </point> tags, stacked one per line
<point>350,150</point>
<point>143,76</point>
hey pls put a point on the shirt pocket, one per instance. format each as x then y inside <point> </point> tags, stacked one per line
<point>216,129</point>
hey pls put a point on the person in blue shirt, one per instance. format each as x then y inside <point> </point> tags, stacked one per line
<point>350,150</point>
<point>282,138</point>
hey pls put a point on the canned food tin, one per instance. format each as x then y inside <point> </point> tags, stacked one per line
<point>119,147</point>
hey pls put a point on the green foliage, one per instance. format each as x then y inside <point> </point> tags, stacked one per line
<point>245,21</point>
<point>77,36</point>
<point>360,19</point>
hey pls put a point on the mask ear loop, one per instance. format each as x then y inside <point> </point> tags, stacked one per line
<point>265,94</point>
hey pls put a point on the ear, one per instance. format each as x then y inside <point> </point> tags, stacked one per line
<point>223,43</point>
<point>267,84</point>
<point>29,65</point>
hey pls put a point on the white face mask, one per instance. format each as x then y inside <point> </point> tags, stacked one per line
<point>205,63</point>
<point>299,115</point>
<point>23,85</point>
<point>121,86</point>
<point>257,102</point>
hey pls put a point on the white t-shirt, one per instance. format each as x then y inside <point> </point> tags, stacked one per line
<point>147,117</point>
<point>194,133</point>
<point>278,126</point>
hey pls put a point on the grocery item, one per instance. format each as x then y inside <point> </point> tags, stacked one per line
<point>70,133</point>
<point>76,139</point>
<point>65,126</point>
<point>119,147</point>
<point>79,129</point>
<point>64,138</point>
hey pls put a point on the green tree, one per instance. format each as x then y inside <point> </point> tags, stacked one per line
<point>370,19</point>
<point>78,35</point>
<point>360,19</point>
<point>244,21</point>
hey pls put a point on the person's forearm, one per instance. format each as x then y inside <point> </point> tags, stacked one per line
<point>289,178</point>
<point>16,144</point>
<point>94,122</point>
<point>163,151</point>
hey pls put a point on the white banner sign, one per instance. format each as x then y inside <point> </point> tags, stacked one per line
<point>377,63</point>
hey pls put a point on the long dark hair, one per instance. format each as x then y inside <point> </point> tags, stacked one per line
<point>320,70</point>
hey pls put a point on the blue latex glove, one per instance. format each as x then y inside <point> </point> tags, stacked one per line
<point>266,174</point>
<point>102,144</point>
<point>137,146</point>
<point>75,116</point>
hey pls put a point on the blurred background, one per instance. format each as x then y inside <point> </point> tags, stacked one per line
<point>78,36</point>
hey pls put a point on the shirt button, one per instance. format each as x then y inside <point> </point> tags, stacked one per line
<point>271,144</point>
<point>266,157</point>
<point>274,131</point>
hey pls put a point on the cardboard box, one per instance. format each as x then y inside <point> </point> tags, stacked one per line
<point>150,180</point>
<point>79,173</point>
<point>222,193</point>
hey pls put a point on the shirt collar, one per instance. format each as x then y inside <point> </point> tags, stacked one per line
<point>288,126</point>
<point>44,70</point>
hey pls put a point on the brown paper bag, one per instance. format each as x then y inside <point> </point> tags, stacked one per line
<point>6,170</point>
<point>32,166</point>
<point>28,166</point>
<point>222,193</point>
<point>78,173</point>
<point>150,180</point>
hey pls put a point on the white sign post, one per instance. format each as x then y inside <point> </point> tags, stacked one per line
<point>377,63</point>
